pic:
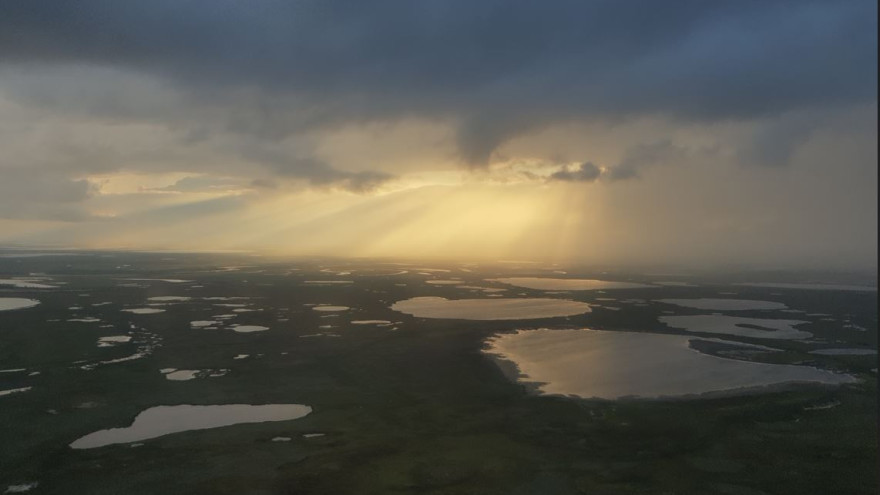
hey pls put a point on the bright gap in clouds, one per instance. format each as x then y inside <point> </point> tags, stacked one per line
<point>477,221</point>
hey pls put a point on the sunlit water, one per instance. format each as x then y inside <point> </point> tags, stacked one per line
<point>330,309</point>
<point>613,365</point>
<point>9,303</point>
<point>249,328</point>
<point>733,325</point>
<point>29,283</point>
<point>181,375</point>
<point>489,309</point>
<point>541,283</point>
<point>113,340</point>
<point>144,311</point>
<point>14,391</point>
<point>169,298</point>
<point>203,323</point>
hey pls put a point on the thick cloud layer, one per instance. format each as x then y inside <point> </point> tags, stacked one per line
<point>640,128</point>
<point>498,68</point>
<point>32,194</point>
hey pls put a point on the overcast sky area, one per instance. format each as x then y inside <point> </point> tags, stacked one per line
<point>637,132</point>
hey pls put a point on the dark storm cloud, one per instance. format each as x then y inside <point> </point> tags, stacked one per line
<point>496,68</point>
<point>29,194</point>
<point>585,172</point>
<point>637,157</point>
<point>773,143</point>
<point>313,170</point>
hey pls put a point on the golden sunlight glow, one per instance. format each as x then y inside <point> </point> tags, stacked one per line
<point>128,183</point>
<point>473,221</point>
<point>461,221</point>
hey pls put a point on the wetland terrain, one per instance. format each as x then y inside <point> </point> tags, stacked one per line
<point>182,373</point>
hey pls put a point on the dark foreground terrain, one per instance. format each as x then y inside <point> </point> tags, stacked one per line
<point>413,406</point>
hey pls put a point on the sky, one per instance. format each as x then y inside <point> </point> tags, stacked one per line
<point>684,132</point>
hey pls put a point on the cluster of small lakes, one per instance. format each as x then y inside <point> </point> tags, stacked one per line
<point>705,340</point>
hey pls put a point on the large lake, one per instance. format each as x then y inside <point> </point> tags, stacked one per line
<point>489,309</point>
<point>613,365</point>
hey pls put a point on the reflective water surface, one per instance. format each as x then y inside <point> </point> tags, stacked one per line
<point>613,365</point>
<point>164,420</point>
<point>489,309</point>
